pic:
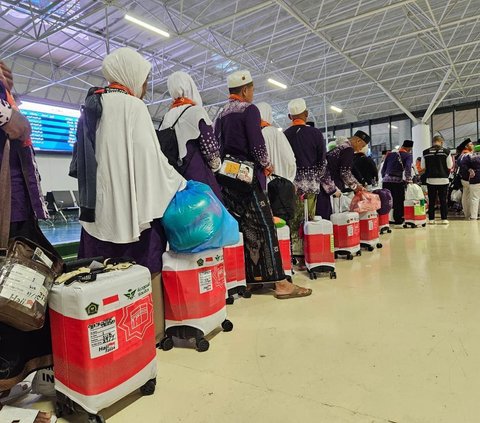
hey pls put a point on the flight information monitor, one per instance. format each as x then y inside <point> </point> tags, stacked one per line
<point>53,127</point>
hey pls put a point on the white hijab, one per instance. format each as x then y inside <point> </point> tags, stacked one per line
<point>181,84</point>
<point>127,67</point>
<point>279,149</point>
<point>135,183</point>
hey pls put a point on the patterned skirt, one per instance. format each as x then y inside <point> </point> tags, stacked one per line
<point>263,262</point>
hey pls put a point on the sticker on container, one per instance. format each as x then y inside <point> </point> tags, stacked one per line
<point>350,230</point>
<point>102,337</point>
<point>332,244</point>
<point>205,281</point>
<point>370,225</point>
<point>24,286</point>
<point>40,256</point>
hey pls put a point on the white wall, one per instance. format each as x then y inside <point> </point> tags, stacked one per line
<point>53,170</point>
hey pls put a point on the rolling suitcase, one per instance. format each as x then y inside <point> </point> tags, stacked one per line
<point>346,234</point>
<point>414,214</point>
<point>194,294</point>
<point>103,340</point>
<point>284,244</point>
<point>384,211</point>
<point>369,231</point>
<point>319,246</point>
<point>234,261</point>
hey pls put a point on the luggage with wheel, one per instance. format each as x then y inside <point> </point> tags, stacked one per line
<point>284,244</point>
<point>384,211</point>
<point>234,261</point>
<point>103,337</point>
<point>319,246</point>
<point>414,214</point>
<point>346,232</point>
<point>369,231</point>
<point>194,294</point>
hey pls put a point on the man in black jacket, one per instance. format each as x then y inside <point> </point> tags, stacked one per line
<point>437,162</point>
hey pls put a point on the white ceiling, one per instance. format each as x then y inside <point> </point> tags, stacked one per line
<point>371,58</point>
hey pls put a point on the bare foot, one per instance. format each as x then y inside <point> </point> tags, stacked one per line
<point>43,417</point>
<point>284,288</point>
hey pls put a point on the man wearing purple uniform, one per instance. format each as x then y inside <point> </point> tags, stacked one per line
<point>239,132</point>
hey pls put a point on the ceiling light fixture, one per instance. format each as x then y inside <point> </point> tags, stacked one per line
<point>393,127</point>
<point>276,83</point>
<point>336,109</point>
<point>147,26</point>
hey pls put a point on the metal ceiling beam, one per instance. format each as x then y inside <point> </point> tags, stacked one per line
<point>430,108</point>
<point>299,18</point>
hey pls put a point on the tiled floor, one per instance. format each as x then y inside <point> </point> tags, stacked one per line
<point>394,339</point>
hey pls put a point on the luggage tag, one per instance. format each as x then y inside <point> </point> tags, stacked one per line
<point>40,257</point>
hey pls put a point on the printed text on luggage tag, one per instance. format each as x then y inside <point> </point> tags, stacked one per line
<point>103,337</point>
<point>205,281</point>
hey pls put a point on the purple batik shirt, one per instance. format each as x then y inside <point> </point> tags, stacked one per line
<point>238,130</point>
<point>27,198</point>
<point>340,162</point>
<point>395,165</point>
<point>309,149</point>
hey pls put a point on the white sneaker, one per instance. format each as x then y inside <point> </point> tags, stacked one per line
<point>444,222</point>
<point>431,222</point>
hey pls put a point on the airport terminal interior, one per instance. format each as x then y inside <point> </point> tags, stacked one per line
<point>305,252</point>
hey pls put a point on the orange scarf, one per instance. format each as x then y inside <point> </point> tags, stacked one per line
<point>11,101</point>
<point>296,122</point>
<point>121,87</point>
<point>264,123</point>
<point>402,150</point>
<point>466,151</point>
<point>181,101</point>
<point>236,97</point>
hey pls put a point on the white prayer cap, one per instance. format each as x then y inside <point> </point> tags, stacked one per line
<point>341,139</point>
<point>239,79</point>
<point>297,106</point>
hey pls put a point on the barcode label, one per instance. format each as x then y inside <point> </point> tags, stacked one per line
<point>205,281</point>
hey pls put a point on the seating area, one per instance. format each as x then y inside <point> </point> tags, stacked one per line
<point>63,205</point>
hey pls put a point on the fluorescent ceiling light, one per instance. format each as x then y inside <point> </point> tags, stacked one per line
<point>147,26</point>
<point>278,84</point>
<point>336,109</point>
<point>393,126</point>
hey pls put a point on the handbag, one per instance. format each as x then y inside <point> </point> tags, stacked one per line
<point>365,201</point>
<point>281,194</point>
<point>27,271</point>
<point>237,174</point>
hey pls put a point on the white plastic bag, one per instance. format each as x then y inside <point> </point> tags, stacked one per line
<point>44,383</point>
<point>341,204</point>
<point>414,192</point>
<point>456,196</point>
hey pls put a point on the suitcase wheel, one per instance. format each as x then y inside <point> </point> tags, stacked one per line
<point>230,300</point>
<point>149,387</point>
<point>227,326</point>
<point>95,418</point>
<point>359,253</point>
<point>333,275</point>
<point>350,257</point>
<point>389,231</point>
<point>379,245</point>
<point>370,248</point>
<point>424,225</point>
<point>336,255</point>
<point>166,344</point>
<point>246,294</point>
<point>203,345</point>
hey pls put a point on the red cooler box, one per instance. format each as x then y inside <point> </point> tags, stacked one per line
<point>194,294</point>
<point>103,338</point>
<point>346,234</point>
<point>319,247</point>
<point>414,213</point>
<point>234,261</point>
<point>369,231</point>
<point>283,235</point>
<point>384,223</point>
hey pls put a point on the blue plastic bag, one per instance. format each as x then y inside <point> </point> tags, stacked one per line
<point>195,220</point>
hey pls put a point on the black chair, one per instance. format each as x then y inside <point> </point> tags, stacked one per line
<point>63,201</point>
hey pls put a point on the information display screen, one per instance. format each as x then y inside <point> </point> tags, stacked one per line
<point>53,128</point>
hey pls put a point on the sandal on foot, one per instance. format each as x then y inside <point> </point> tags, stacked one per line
<point>297,292</point>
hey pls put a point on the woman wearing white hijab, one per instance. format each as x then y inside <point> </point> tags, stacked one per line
<point>279,150</point>
<point>134,182</point>
<point>197,146</point>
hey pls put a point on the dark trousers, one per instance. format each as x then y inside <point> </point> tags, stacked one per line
<point>442,192</point>
<point>398,194</point>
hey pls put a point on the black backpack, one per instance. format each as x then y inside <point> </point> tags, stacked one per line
<point>281,194</point>
<point>169,143</point>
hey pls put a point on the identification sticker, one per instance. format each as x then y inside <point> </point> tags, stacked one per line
<point>232,168</point>
<point>350,230</point>
<point>24,286</point>
<point>370,225</point>
<point>205,281</point>
<point>103,337</point>
<point>40,256</point>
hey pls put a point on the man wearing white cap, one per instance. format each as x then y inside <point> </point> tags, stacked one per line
<point>239,132</point>
<point>309,148</point>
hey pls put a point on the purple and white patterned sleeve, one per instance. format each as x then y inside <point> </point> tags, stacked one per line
<point>256,141</point>
<point>209,146</point>
<point>327,183</point>
<point>345,164</point>
<point>5,112</point>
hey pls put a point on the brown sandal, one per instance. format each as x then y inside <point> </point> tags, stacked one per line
<point>298,292</point>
